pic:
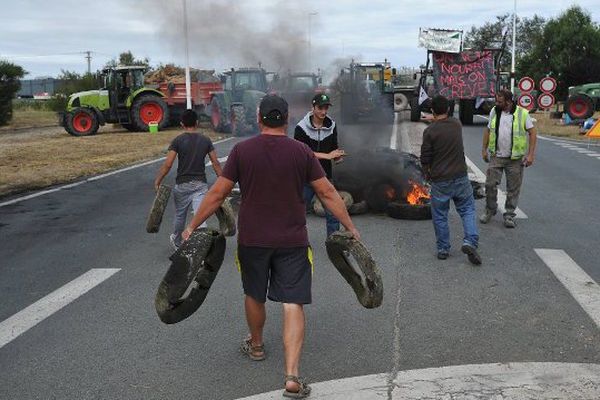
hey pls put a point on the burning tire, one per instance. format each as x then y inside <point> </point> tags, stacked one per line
<point>218,116</point>
<point>320,210</point>
<point>378,196</point>
<point>399,210</point>
<point>368,286</point>
<point>82,122</point>
<point>226,218</point>
<point>194,267</point>
<point>149,108</point>
<point>158,208</point>
<point>580,106</point>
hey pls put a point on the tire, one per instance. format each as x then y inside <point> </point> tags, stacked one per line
<point>399,210</point>
<point>218,118</point>
<point>400,102</point>
<point>580,106</point>
<point>367,286</point>
<point>465,111</point>
<point>226,218</point>
<point>158,208</point>
<point>82,122</point>
<point>194,266</point>
<point>320,210</point>
<point>376,196</point>
<point>415,110</point>
<point>358,208</point>
<point>238,120</point>
<point>148,108</point>
<point>478,190</point>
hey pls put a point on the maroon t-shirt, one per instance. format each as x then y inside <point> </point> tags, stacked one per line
<point>272,171</point>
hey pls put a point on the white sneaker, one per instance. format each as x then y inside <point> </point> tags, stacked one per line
<point>172,241</point>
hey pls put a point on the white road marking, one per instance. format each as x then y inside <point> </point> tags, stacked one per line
<point>558,141</point>
<point>524,380</point>
<point>581,286</point>
<point>394,138</point>
<point>92,179</point>
<point>480,177</point>
<point>29,317</point>
<point>221,159</point>
<point>593,154</point>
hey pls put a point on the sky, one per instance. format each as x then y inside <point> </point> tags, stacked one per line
<point>46,37</point>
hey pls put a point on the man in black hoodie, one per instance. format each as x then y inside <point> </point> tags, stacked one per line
<point>319,132</point>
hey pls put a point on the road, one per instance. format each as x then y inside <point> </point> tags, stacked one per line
<point>78,277</point>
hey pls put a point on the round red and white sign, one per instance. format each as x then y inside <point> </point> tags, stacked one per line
<point>526,101</point>
<point>526,84</point>
<point>548,84</point>
<point>545,100</point>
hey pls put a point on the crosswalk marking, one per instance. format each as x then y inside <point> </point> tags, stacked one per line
<point>581,286</point>
<point>26,319</point>
<point>480,177</point>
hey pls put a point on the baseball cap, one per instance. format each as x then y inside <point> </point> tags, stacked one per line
<point>273,111</point>
<point>321,100</point>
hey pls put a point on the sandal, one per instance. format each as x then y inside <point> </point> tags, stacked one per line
<point>303,388</point>
<point>255,353</point>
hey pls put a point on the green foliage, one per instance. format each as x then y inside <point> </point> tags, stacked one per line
<point>72,82</point>
<point>9,86</point>
<point>127,58</point>
<point>568,49</point>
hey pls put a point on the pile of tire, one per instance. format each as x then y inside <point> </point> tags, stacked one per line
<point>353,208</point>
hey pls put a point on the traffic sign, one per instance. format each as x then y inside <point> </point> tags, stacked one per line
<point>526,84</point>
<point>545,100</point>
<point>548,84</point>
<point>526,101</point>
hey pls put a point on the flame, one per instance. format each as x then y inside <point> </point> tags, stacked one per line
<point>418,194</point>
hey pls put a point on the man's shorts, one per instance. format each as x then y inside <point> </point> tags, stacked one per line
<point>281,274</point>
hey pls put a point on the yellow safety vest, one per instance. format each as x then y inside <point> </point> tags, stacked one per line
<point>519,133</point>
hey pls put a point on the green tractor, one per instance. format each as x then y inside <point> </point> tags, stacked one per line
<point>235,107</point>
<point>583,101</point>
<point>123,100</point>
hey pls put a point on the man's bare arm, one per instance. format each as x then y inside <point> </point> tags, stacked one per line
<point>212,201</point>
<point>165,168</point>
<point>334,203</point>
<point>485,144</point>
<point>216,164</point>
<point>532,143</point>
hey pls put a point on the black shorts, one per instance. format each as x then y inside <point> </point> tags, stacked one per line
<point>284,273</point>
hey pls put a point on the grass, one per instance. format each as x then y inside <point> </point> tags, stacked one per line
<point>30,118</point>
<point>35,161</point>
<point>554,127</point>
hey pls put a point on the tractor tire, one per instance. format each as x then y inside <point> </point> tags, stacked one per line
<point>400,102</point>
<point>218,116</point>
<point>149,108</point>
<point>158,208</point>
<point>239,126</point>
<point>82,122</point>
<point>580,106</point>
<point>466,109</point>
<point>194,267</point>
<point>415,110</point>
<point>368,286</point>
<point>226,218</point>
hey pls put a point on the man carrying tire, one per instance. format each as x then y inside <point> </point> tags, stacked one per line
<point>319,132</point>
<point>191,149</point>
<point>443,160</point>
<point>506,150</point>
<point>273,253</point>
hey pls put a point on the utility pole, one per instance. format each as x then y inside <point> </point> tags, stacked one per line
<point>188,89</point>
<point>309,38</point>
<point>514,39</point>
<point>89,61</point>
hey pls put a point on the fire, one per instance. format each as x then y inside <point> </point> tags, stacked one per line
<point>390,193</point>
<point>418,194</point>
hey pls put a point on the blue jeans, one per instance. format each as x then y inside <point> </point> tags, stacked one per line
<point>460,191</point>
<point>332,223</point>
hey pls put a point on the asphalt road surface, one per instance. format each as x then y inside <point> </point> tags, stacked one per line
<point>78,275</point>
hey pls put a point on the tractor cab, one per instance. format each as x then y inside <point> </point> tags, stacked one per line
<point>238,81</point>
<point>121,82</point>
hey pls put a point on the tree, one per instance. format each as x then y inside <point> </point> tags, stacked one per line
<point>568,49</point>
<point>127,58</point>
<point>9,86</point>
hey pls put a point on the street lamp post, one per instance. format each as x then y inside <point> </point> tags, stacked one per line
<point>514,39</point>
<point>309,39</point>
<point>188,89</point>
